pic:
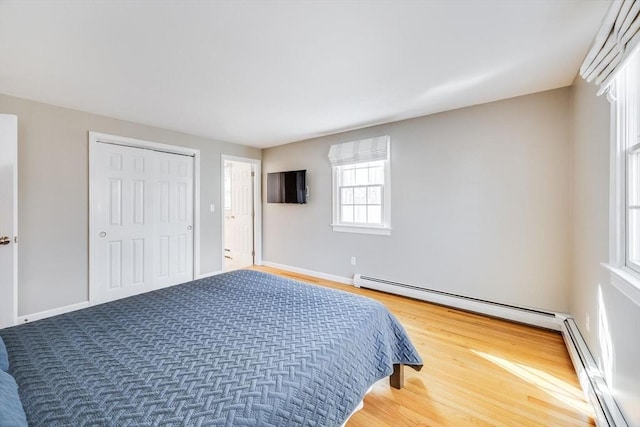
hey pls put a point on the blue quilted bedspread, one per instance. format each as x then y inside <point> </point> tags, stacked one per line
<point>239,349</point>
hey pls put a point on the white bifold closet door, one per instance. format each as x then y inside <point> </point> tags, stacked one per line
<point>143,221</point>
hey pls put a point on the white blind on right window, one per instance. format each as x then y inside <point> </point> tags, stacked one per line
<point>618,37</point>
<point>362,151</point>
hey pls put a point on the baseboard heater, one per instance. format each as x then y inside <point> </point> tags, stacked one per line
<point>532,316</point>
<point>606,410</point>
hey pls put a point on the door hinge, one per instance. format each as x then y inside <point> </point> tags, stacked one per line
<point>253,173</point>
<point>253,253</point>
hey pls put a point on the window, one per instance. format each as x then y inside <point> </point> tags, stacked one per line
<point>627,100</point>
<point>633,195</point>
<point>361,190</point>
<point>633,208</point>
<point>613,62</point>
<point>624,95</point>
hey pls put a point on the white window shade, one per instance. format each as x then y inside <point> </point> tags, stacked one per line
<point>365,150</point>
<point>618,37</point>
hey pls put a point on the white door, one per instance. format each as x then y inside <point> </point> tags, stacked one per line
<point>8,219</point>
<point>239,212</point>
<point>173,215</point>
<point>143,221</point>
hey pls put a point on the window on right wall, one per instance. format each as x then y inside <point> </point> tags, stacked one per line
<point>633,204</point>
<point>624,95</point>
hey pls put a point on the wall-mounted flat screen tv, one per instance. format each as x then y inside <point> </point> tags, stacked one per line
<point>287,187</point>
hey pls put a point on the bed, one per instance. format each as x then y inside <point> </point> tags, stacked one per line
<point>243,348</point>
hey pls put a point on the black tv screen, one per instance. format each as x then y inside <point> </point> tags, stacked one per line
<point>287,187</point>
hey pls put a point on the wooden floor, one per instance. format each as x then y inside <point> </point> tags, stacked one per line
<point>477,371</point>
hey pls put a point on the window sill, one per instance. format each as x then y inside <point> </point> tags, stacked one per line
<point>625,281</point>
<point>362,229</point>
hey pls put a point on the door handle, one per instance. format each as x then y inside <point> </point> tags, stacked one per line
<point>4,240</point>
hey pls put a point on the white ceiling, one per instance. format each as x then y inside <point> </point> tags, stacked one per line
<point>271,72</point>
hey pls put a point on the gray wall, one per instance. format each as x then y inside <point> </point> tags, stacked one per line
<point>480,204</point>
<point>591,291</point>
<point>53,197</point>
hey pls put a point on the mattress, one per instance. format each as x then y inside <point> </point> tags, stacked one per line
<point>243,348</point>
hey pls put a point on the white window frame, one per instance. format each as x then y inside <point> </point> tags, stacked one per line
<point>625,139</point>
<point>348,227</point>
<point>634,150</point>
<point>350,154</point>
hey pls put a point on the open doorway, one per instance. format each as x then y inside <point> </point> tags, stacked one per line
<point>240,208</point>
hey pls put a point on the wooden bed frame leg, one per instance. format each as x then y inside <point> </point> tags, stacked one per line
<point>396,380</point>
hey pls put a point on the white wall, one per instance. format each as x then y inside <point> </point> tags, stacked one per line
<point>480,204</point>
<point>53,197</point>
<point>614,320</point>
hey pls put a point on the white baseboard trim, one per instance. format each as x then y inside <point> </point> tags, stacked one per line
<point>591,379</point>
<point>529,316</point>
<point>213,273</point>
<point>73,307</point>
<point>306,272</point>
<point>53,312</point>
<point>541,318</point>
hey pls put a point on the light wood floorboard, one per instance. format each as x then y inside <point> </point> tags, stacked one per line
<point>477,371</point>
